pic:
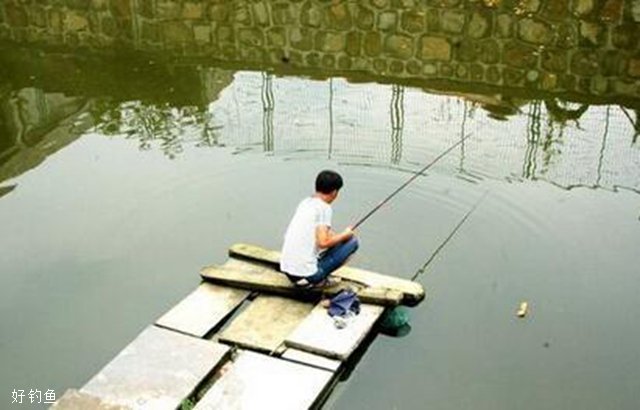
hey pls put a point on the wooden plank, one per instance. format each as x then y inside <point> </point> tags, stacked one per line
<point>158,369</point>
<point>311,359</point>
<point>257,381</point>
<point>413,292</point>
<point>203,309</point>
<point>74,399</point>
<point>260,278</point>
<point>318,334</point>
<point>266,323</point>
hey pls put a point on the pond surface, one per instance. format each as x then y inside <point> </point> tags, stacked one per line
<point>109,207</point>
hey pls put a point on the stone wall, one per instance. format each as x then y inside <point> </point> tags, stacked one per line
<point>581,47</point>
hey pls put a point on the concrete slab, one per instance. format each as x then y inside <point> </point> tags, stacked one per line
<point>317,333</point>
<point>311,359</point>
<point>257,381</point>
<point>203,309</point>
<point>265,323</point>
<point>74,399</point>
<point>157,370</point>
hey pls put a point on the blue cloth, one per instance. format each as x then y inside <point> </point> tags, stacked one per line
<point>344,302</point>
<point>331,260</point>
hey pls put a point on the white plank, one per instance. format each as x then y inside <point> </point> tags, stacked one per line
<point>311,359</point>
<point>413,292</point>
<point>257,381</point>
<point>157,370</point>
<point>318,334</point>
<point>265,323</point>
<point>203,309</point>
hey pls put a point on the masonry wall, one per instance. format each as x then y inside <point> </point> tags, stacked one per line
<point>587,47</point>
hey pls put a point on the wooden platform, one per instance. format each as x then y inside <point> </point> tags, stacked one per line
<point>411,292</point>
<point>243,339</point>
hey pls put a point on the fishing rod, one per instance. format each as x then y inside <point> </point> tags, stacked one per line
<point>448,238</point>
<point>410,180</point>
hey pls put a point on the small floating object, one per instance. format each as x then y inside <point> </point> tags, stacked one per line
<point>523,309</point>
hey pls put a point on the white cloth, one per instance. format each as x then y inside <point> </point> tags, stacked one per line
<point>299,251</point>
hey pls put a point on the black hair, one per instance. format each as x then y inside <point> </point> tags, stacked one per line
<point>328,181</point>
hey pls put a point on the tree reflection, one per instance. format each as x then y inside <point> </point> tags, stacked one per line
<point>168,127</point>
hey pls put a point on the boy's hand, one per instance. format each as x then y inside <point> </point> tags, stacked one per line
<point>348,232</point>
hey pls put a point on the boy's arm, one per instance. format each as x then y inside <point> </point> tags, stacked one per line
<point>326,238</point>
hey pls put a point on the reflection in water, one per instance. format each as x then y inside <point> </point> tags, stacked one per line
<point>396,110</point>
<point>268,106</point>
<point>549,140</point>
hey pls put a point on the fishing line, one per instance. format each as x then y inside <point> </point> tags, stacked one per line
<point>448,238</point>
<point>410,180</point>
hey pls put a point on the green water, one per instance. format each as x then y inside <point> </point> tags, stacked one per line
<point>116,189</point>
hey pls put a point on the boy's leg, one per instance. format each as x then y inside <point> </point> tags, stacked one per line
<point>333,258</point>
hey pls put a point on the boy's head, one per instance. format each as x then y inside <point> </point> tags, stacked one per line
<point>329,183</point>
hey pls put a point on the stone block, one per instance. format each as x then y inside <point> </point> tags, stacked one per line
<point>364,18</point>
<point>176,32</point>
<point>414,67</point>
<point>598,85</point>
<point>614,63</point>
<point>276,36</point>
<point>372,44</point>
<point>529,6</point>
<point>591,34</point>
<point>476,72</point>
<point>260,13</point>
<point>434,21</point>
<point>311,14</point>
<point>555,60</point>
<point>567,36</point>
<point>585,63</point>
<point>16,16</point>
<point>414,21</point>
<point>396,67</point>
<point>634,67</point>
<point>519,55</point>
<point>220,12</point>
<point>192,11</point>
<point>468,50</point>
<point>399,46</point>
<point>381,4</point>
<point>555,10</point>
<point>625,36</point>
<point>534,31</point>
<point>330,41</point>
<point>225,35</point>
<point>513,77</point>
<point>479,25</point>
<point>493,75</point>
<point>435,48</point>
<point>313,59</point>
<point>328,61</point>
<point>611,11</point>
<point>121,8</point>
<point>504,24</point>
<point>300,38</point>
<point>430,70</point>
<point>74,21</point>
<point>242,14</point>
<point>583,7</point>
<point>490,51</point>
<point>452,21</point>
<point>380,65</point>
<point>353,43</point>
<point>251,37</point>
<point>339,16</point>
<point>38,16</point>
<point>344,62</point>
<point>282,13</point>
<point>202,34</point>
<point>387,21</point>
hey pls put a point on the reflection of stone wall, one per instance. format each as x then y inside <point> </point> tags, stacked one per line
<point>582,46</point>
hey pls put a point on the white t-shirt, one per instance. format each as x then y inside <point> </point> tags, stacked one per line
<point>299,252</point>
